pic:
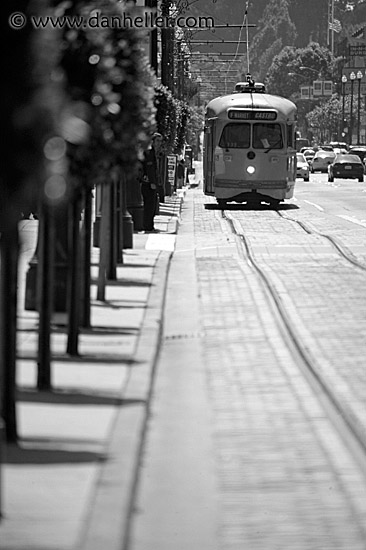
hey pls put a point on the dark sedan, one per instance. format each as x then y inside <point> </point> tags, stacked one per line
<point>346,166</point>
<point>358,150</point>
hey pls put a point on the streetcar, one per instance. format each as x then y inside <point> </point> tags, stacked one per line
<point>249,153</point>
<point>301,143</point>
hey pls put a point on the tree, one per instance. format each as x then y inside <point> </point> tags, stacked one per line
<point>311,21</point>
<point>166,116</point>
<point>324,120</point>
<point>195,128</point>
<point>111,86</point>
<point>296,67</point>
<point>276,31</point>
<point>183,120</point>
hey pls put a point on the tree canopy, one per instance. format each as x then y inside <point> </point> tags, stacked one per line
<point>296,67</point>
<point>276,31</point>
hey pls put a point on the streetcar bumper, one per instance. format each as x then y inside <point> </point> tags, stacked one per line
<point>232,189</point>
<point>250,185</point>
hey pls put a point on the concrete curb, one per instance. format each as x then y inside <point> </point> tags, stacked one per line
<point>107,521</point>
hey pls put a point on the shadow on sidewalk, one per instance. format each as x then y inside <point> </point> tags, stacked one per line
<point>122,282</point>
<point>65,396</point>
<point>103,331</point>
<point>168,212</point>
<point>124,264</point>
<point>95,330</point>
<point>123,304</point>
<point>16,454</point>
<point>104,360</point>
<point>245,206</point>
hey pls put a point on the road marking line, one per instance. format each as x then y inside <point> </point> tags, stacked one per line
<point>348,218</point>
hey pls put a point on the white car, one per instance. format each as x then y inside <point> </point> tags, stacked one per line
<point>321,161</point>
<point>302,167</point>
<point>309,155</point>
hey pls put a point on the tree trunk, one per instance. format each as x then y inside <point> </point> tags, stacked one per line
<point>74,287</point>
<point>45,277</point>
<point>9,247</point>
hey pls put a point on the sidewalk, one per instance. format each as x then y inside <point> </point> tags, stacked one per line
<point>68,484</point>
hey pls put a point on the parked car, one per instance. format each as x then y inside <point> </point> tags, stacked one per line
<point>309,155</point>
<point>346,166</point>
<point>326,147</point>
<point>302,167</point>
<point>321,161</point>
<point>339,145</point>
<point>359,150</point>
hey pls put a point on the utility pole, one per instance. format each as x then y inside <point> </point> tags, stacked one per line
<point>153,5</point>
<point>331,25</point>
<point>180,69</point>
<point>167,49</point>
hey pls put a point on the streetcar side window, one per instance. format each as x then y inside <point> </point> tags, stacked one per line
<point>291,135</point>
<point>236,136</point>
<point>267,136</point>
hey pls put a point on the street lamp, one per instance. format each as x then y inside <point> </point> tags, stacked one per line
<point>352,77</point>
<point>359,77</point>
<point>303,67</point>
<point>292,73</point>
<point>344,80</point>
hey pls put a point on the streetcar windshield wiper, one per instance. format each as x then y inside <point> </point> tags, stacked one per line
<point>278,142</point>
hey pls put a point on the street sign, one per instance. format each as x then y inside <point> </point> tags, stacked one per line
<point>327,87</point>
<point>320,88</point>
<point>317,88</point>
<point>172,166</point>
<point>305,92</point>
<point>357,51</point>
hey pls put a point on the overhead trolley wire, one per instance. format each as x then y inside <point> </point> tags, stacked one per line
<point>244,23</point>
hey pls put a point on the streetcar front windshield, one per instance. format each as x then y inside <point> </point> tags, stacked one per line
<point>236,136</point>
<point>267,136</point>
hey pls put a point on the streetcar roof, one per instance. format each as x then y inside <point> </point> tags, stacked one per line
<point>219,106</point>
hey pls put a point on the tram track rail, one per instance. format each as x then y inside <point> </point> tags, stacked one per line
<point>350,428</point>
<point>346,254</point>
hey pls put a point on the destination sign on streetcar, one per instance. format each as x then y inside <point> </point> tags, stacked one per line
<point>251,115</point>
